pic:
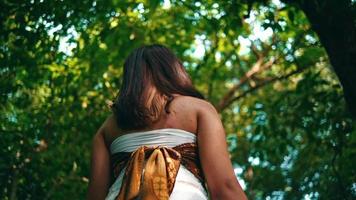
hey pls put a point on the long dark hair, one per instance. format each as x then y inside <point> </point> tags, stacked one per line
<point>152,73</point>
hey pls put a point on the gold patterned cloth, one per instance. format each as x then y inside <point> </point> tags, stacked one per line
<point>151,171</point>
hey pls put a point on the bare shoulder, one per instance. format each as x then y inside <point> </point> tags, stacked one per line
<point>201,106</point>
<point>194,106</point>
<point>108,123</point>
<point>110,129</point>
<point>196,103</point>
<point>208,119</point>
<point>206,106</point>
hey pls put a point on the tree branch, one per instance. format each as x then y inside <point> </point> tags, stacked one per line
<point>257,68</point>
<point>266,82</point>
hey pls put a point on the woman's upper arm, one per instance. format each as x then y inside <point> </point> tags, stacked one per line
<point>214,156</point>
<point>100,167</point>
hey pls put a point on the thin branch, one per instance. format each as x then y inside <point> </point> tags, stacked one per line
<point>250,74</point>
<point>257,68</point>
<point>255,51</point>
<point>264,83</point>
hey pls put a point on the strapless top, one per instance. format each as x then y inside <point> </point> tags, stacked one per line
<point>187,185</point>
<point>169,137</point>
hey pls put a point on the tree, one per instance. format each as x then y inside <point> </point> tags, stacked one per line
<point>259,62</point>
<point>334,22</point>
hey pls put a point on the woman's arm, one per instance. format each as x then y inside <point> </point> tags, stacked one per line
<point>214,156</point>
<point>100,167</point>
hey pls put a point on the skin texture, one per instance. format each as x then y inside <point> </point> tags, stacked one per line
<point>216,164</point>
<point>100,167</point>
<point>187,113</point>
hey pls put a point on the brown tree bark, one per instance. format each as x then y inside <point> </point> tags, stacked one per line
<point>334,21</point>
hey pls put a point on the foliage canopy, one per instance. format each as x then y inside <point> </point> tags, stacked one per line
<point>259,62</point>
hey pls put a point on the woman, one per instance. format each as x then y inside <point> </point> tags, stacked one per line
<point>163,141</point>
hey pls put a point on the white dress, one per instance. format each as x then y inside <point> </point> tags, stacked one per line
<point>186,187</point>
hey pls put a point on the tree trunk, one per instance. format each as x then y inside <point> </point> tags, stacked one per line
<point>334,21</point>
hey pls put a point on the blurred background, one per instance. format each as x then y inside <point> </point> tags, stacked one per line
<point>279,72</point>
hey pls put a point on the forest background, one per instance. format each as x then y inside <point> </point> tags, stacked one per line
<point>281,74</point>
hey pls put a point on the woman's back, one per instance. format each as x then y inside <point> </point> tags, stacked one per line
<point>165,136</point>
<point>171,130</point>
<point>183,115</point>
